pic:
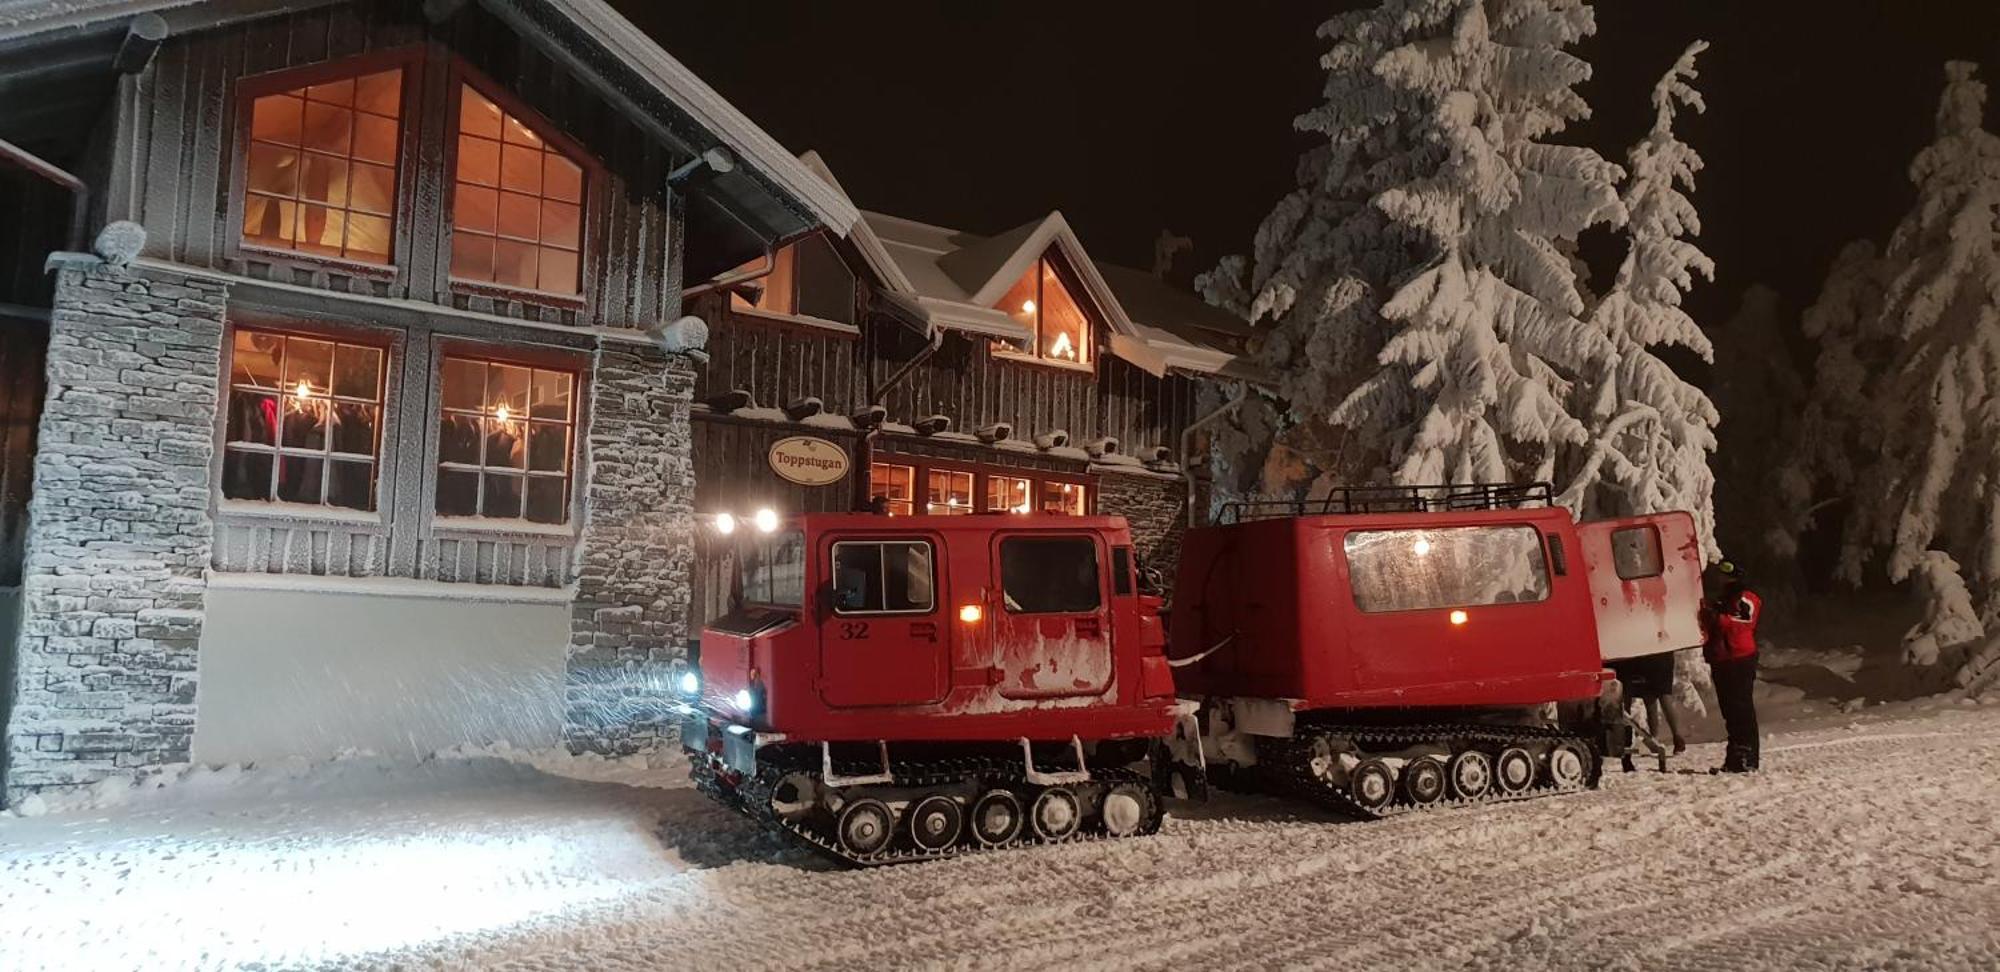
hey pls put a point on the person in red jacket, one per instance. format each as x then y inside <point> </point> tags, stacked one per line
<point>1730,621</point>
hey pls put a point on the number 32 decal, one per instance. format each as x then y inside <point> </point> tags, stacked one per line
<point>853,630</point>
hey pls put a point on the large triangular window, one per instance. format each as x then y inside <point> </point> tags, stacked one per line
<point>1041,302</point>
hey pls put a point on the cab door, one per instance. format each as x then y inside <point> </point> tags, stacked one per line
<point>1645,583</point>
<point>882,641</point>
<point>1052,621</point>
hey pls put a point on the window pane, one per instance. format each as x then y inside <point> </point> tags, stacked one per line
<point>351,485</point>
<point>277,118</point>
<point>561,224</point>
<point>773,569</point>
<point>503,497</point>
<point>458,439</point>
<point>895,484</point>
<point>322,230</point>
<point>504,448</point>
<point>272,169</point>
<point>476,114</point>
<point>548,447</point>
<point>558,271</point>
<point>328,129</point>
<point>476,209</point>
<point>949,493</point>
<point>309,361</point>
<point>826,286</point>
<point>381,93</point>
<point>478,161</point>
<point>882,576</point>
<point>520,216</point>
<point>551,394</point>
<point>357,372</point>
<point>254,359</point>
<point>252,418</point>
<point>471,256</point>
<point>1007,494</point>
<point>561,178</point>
<point>514,264</point>
<point>519,134</point>
<point>545,500</point>
<point>271,222</point>
<point>1121,570</point>
<point>1065,331</point>
<point>521,169</point>
<point>299,479</point>
<point>324,179</point>
<point>304,425</point>
<point>507,387</point>
<point>368,237</point>
<point>374,188</point>
<point>333,92</point>
<point>354,428</point>
<point>1049,575</point>
<point>246,475</point>
<point>464,383</point>
<point>1065,499</point>
<point>1635,551</point>
<point>1020,300</point>
<point>457,493</point>
<point>1409,570</point>
<point>375,139</point>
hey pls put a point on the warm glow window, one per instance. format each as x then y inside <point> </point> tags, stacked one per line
<point>950,492</point>
<point>895,485</point>
<point>1067,499</point>
<point>304,423</point>
<point>1007,494</point>
<point>806,279</point>
<point>517,204</point>
<point>1042,304</point>
<point>505,438</point>
<point>320,174</point>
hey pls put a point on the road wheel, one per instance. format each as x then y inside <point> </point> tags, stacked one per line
<point>936,822</point>
<point>1126,809</point>
<point>865,827</point>
<point>1056,814</point>
<point>1514,771</point>
<point>1471,774</point>
<point>1423,781</point>
<point>1371,785</point>
<point>996,818</point>
<point>1568,766</point>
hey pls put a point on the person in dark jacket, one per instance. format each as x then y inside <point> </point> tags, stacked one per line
<point>1729,620</point>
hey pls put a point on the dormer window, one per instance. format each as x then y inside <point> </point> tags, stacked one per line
<point>1041,302</point>
<point>517,203</point>
<point>807,279</point>
<point>321,172</point>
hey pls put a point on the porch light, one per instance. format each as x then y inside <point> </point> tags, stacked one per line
<point>1458,617</point>
<point>970,614</point>
<point>766,520</point>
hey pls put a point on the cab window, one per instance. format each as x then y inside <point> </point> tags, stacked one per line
<point>883,577</point>
<point>1049,575</point>
<point>773,569</point>
<point>1415,570</point>
<point>1635,551</point>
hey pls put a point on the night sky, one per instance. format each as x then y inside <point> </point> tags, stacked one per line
<point>1130,118</point>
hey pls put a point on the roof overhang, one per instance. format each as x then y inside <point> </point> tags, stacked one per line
<point>974,319</point>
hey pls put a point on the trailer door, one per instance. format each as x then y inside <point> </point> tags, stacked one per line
<point>882,641</point>
<point>1052,629</point>
<point>1645,583</point>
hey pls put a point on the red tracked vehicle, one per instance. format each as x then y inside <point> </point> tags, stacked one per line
<point>893,689</point>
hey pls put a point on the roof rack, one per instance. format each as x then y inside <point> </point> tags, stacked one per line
<point>1350,500</point>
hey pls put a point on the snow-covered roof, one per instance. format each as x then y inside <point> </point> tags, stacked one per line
<point>602,41</point>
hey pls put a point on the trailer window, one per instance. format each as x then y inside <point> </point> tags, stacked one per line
<point>882,577</point>
<point>1635,551</point>
<point>1049,575</point>
<point>1416,570</point>
<point>773,569</point>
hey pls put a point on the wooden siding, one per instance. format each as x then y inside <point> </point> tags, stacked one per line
<point>179,172</point>
<point>779,363</point>
<point>732,473</point>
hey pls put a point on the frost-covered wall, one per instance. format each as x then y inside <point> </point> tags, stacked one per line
<point>636,551</point>
<point>1155,506</point>
<point>119,528</point>
<point>396,667</point>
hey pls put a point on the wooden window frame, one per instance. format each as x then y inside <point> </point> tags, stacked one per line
<point>460,75</point>
<point>577,364</point>
<point>387,456</point>
<point>1004,351</point>
<point>808,321</point>
<point>982,472</point>
<point>247,90</point>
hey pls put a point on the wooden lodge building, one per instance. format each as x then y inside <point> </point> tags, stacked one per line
<point>371,366</point>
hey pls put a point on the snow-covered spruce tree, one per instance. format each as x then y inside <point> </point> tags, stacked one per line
<point>1935,485</point>
<point>1326,256</point>
<point>1651,431</point>
<point>1473,382</point>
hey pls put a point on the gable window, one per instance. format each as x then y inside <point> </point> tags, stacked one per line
<point>1041,302</point>
<point>304,422</point>
<point>807,279</point>
<point>505,434</point>
<point>517,203</point>
<point>321,168</point>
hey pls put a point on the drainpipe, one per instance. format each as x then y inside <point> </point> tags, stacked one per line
<point>1187,444</point>
<point>79,193</point>
<point>866,449</point>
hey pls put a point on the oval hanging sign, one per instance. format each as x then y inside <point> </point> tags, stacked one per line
<point>808,461</point>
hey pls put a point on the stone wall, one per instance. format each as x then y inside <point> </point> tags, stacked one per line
<point>1155,505</point>
<point>636,551</point>
<point>119,528</point>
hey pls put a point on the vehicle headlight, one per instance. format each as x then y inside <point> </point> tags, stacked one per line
<point>744,700</point>
<point>690,683</point>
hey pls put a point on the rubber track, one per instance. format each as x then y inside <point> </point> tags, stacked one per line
<point>1297,780</point>
<point>753,799</point>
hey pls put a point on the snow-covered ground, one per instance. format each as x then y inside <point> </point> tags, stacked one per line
<point>1870,844</point>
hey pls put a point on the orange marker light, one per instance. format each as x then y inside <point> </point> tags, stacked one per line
<point>1458,617</point>
<point>970,614</point>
